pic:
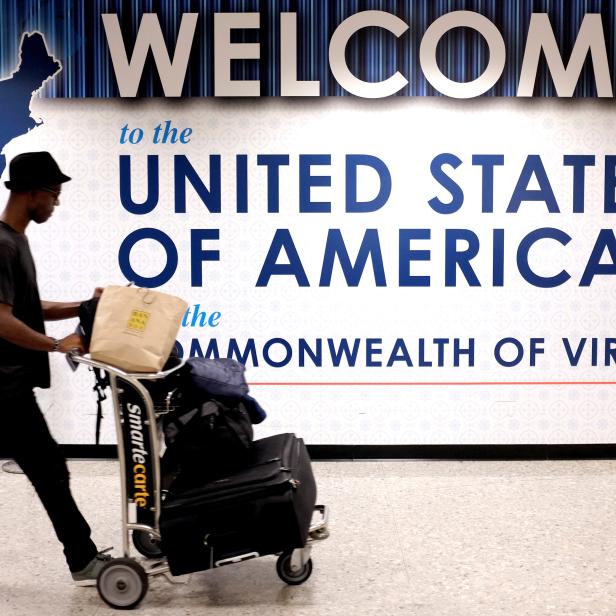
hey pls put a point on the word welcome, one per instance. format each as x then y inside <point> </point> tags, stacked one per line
<point>172,66</point>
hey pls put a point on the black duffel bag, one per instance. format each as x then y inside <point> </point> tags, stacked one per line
<point>206,442</point>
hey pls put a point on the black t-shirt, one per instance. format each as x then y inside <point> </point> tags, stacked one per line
<point>20,369</point>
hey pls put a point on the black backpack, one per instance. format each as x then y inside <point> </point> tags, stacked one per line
<point>87,312</point>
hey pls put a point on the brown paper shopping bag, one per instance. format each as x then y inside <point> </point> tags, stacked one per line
<point>135,329</point>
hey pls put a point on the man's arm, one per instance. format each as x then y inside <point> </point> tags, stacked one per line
<point>56,311</point>
<point>18,333</point>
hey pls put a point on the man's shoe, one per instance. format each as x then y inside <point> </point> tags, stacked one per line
<point>87,576</point>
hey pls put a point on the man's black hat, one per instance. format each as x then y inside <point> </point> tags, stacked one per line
<point>32,170</point>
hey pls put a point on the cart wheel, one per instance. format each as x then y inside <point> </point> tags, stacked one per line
<point>122,583</point>
<point>146,544</point>
<point>287,575</point>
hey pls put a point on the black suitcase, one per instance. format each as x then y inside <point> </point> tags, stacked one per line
<point>265,508</point>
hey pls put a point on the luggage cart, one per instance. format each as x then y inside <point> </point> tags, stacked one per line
<point>123,582</point>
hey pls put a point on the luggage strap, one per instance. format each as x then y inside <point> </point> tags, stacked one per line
<point>101,383</point>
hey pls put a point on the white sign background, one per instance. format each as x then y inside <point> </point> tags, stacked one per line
<point>78,250</point>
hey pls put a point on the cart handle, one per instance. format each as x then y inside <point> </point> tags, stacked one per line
<point>150,376</point>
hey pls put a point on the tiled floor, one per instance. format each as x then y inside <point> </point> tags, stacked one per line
<point>432,538</point>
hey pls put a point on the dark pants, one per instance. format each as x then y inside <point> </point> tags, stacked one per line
<point>24,436</point>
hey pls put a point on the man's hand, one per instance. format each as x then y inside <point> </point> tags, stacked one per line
<point>72,342</point>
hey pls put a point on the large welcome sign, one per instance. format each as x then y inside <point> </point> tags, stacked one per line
<point>398,218</point>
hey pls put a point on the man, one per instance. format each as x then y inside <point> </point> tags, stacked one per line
<point>35,184</point>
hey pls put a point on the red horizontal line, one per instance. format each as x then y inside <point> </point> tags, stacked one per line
<point>422,383</point>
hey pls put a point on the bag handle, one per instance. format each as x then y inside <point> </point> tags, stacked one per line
<point>148,296</point>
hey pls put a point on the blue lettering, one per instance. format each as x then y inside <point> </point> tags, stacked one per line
<point>370,247</point>
<point>487,162</point>
<point>457,195</point>
<point>594,267</point>
<point>579,164</point>
<point>371,350</point>
<point>406,255</point>
<point>241,184</point>
<point>544,282</point>
<point>307,181</point>
<point>459,351</point>
<point>315,356</point>
<point>352,204</point>
<point>183,171</point>
<point>249,351</point>
<point>273,162</point>
<point>609,203</point>
<point>287,349</point>
<point>498,257</point>
<point>126,186</point>
<point>198,255</point>
<point>462,259</point>
<point>399,353</point>
<point>519,352</point>
<point>533,166</point>
<point>282,240</point>
<point>574,357</point>
<point>343,349</point>
<point>165,241</point>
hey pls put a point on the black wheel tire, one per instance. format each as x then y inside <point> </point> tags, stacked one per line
<point>122,583</point>
<point>287,575</point>
<point>147,545</point>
